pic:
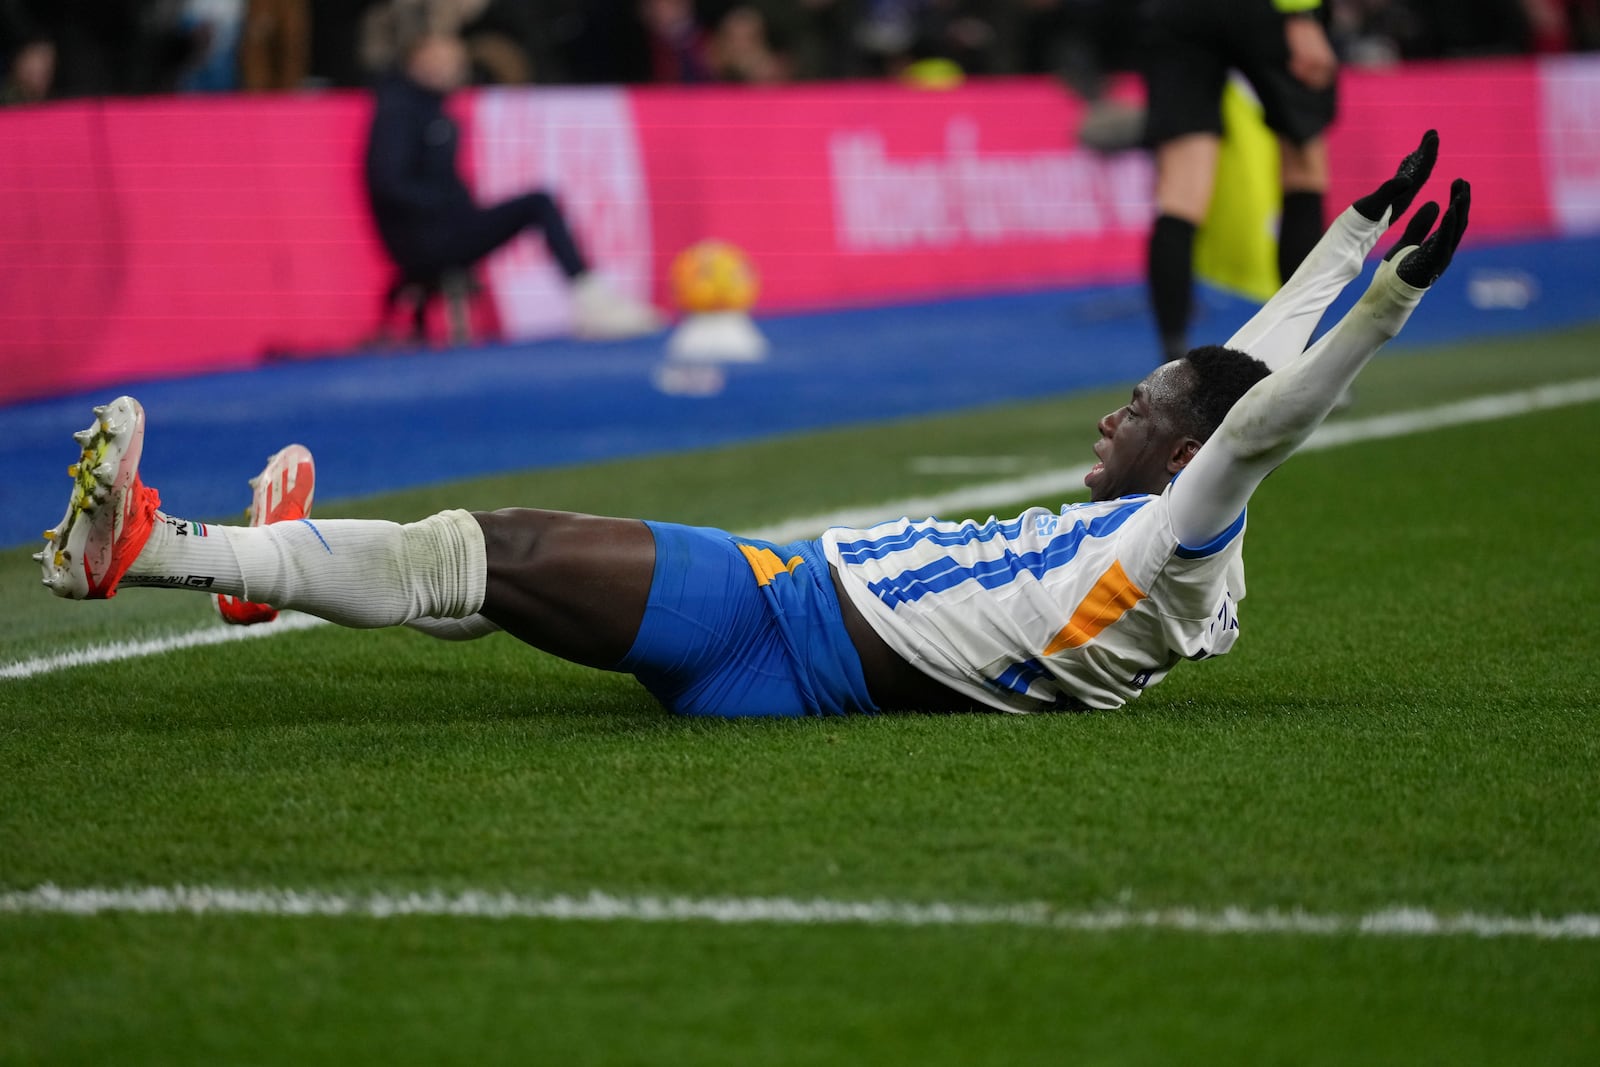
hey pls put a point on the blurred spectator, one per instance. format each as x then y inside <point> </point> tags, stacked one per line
<point>67,48</point>
<point>885,31</point>
<point>27,57</point>
<point>494,35</point>
<point>741,48</point>
<point>1366,33</point>
<point>499,39</point>
<point>213,28</point>
<point>679,46</point>
<point>426,216</point>
<point>1373,32</point>
<point>29,74</point>
<point>275,49</point>
<point>895,34</point>
<point>100,47</point>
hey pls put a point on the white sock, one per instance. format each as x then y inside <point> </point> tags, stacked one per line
<point>356,572</point>
<point>468,629</point>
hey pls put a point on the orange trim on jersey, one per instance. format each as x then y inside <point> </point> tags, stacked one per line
<point>1107,602</point>
<point>766,564</point>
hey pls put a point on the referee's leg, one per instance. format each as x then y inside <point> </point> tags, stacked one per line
<point>1184,71</point>
<point>1185,172</point>
<point>1305,185</point>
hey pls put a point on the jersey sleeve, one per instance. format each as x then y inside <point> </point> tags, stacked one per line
<point>1198,592</point>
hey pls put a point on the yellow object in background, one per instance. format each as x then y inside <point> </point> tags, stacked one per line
<point>1236,247</point>
<point>933,73</point>
<point>713,276</point>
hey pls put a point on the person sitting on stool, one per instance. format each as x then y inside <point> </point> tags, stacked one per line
<point>427,217</point>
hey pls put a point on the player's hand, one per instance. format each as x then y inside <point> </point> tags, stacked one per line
<point>1422,266</point>
<point>1417,229</point>
<point>1311,58</point>
<point>1408,180</point>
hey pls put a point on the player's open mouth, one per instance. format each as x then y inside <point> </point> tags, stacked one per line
<point>1093,472</point>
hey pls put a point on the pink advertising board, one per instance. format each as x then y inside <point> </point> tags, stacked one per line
<point>846,194</point>
<point>158,237</point>
<point>140,238</point>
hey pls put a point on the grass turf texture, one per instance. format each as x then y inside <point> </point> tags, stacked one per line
<point>1408,720</point>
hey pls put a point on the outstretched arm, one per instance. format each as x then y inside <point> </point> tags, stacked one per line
<point>1277,334</point>
<point>1279,412</point>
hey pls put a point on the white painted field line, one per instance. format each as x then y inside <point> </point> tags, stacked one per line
<point>597,906</point>
<point>110,652</point>
<point>1045,485</point>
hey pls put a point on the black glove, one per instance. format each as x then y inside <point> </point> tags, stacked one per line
<point>1408,180</point>
<point>1422,268</point>
<point>1417,229</point>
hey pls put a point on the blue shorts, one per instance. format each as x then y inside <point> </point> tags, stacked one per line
<point>738,627</point>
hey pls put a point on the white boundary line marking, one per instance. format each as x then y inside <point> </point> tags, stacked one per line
<point>217,634</point>
<point>1045,484</point>
<point>597,906</point>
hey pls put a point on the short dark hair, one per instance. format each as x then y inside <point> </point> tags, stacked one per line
<point>1219,376</point>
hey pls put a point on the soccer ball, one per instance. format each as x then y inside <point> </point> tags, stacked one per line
<point>713,276</point>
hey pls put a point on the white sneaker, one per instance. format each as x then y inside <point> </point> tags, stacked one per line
<point>600,313</point>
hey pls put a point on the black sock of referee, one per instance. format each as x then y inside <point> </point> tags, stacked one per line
<point>1171,269</point>
<point>1299,230</point>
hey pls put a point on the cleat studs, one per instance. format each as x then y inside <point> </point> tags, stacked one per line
<point>83,437</point>
<point>50,535</point>
<point>104,473</point>
<point>38,557</point>
<point>100,409</point>
<point>61,559</point>
<point>72,471</point>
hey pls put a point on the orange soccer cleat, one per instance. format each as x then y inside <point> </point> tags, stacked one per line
<point>110,513</point>
<point>282,493</point>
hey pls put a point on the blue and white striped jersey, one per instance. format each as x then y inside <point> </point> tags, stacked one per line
<point>1048,611</point>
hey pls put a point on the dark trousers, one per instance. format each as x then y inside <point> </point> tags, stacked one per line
<point>463,239</point>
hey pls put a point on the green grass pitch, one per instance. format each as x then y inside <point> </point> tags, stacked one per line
<point>1410,719</point>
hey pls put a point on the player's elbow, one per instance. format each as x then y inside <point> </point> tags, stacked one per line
<point>1272,419</point>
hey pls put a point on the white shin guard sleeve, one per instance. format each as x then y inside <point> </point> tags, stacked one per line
<point>468,629</point>
<point>366,573</point>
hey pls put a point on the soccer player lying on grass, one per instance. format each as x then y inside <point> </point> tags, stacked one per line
<point>1078,609</point>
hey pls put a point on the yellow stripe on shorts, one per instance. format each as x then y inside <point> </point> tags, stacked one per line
<point>766,564</point>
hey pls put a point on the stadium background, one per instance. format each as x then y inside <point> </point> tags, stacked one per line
<point>211,255</point>
<point>203,234</point>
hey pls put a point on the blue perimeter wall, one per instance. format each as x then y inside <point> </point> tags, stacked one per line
<point>380,422</point>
